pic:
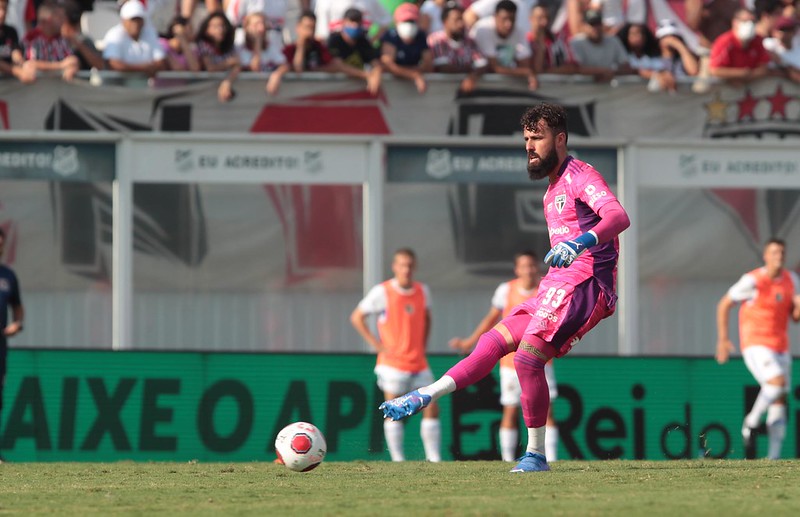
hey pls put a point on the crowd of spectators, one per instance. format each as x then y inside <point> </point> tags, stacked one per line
<point>733,40</point>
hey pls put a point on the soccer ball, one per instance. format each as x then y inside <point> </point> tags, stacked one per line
<point>300,446</point>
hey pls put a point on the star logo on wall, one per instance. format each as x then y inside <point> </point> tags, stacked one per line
<point>747,106</point>
<point>717,110</point>
<point>778,103</point>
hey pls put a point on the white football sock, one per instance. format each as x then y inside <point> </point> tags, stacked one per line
<point>551,443</point>
<point>430,429</point>
<point>441,387</point>
<point>394,439</point>
<point>769,393</point>
<point>776,429</point>
<point>536,440</point>
<point>509,438</point>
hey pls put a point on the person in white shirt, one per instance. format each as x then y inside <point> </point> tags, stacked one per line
<point>783,48</point>
<point>127,47</point>
<point>485,9</point>
<point>430,15</point>
<point>504,46</point>
<point>257,51</point>
<point>274,12</point>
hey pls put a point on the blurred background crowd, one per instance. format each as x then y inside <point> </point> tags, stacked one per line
<point>662,41</point>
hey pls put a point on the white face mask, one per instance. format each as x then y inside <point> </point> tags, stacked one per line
<point>407,30</point>
<point>745,31</point>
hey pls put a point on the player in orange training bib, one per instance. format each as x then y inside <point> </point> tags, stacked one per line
<point>768,296</point>
<point>404,322</point>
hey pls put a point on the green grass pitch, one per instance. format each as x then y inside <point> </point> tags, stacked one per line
<point>702,487</point>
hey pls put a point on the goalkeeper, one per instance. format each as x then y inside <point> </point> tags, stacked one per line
<point>584,219</point>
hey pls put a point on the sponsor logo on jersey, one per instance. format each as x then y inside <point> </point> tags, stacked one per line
<point>547,315</point>
<point>561,230</point>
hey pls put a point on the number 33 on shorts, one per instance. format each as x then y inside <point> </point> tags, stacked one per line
<point>554,297</point>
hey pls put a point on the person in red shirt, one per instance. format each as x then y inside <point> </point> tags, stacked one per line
<point>739,55</point>
<point>45,49</point>
<point>308,54</point>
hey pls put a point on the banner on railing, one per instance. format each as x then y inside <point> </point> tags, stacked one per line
<point>324,104</point>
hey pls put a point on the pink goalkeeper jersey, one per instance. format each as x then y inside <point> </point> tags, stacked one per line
<point>570,208</point>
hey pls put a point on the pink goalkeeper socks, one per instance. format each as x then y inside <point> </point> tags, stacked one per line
<point>477,365</point>
<point>535,399</point>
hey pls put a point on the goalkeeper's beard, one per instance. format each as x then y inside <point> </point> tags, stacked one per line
<point>546,165</point>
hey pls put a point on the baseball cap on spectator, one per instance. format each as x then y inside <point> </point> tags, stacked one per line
<point>665,28</point>
<point>354,15</point>
<point>406,13</point>
<point>593,17</point>
<point>785,24</point>
<point>132,9</point>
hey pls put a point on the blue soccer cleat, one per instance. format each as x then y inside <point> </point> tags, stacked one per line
<point>531,462</point>
<point>407,405</point>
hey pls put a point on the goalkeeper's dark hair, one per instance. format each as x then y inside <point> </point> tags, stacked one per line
<point>554,115</point>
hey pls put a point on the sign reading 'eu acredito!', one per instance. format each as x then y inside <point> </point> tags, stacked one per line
<point>57,161</point>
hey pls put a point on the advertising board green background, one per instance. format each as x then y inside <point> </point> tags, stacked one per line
<point>161,406</point>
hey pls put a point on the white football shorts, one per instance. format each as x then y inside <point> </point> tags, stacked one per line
<point>400,382</point>
<point>765,363</point>
<point>510,390</point>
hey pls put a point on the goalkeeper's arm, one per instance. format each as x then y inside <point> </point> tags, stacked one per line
<point>613,221</point>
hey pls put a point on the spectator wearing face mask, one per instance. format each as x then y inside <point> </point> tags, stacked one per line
<point>739,55</point>
<point>359,59</point>
<point>330,15</point>
<point>404,49</point>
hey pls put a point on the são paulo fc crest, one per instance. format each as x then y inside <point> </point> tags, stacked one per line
<point>561,200</point>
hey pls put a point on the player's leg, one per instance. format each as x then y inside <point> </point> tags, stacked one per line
<point>776,413</point>
<point>766,368</point>
<point>430,431</point>
<point>510,392</point>
<point>490,348</point>
<point>430,428</point>
<point>392,382</point>
<point>551,428</point>
<point>563,314</point>
<point>530,359</point>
